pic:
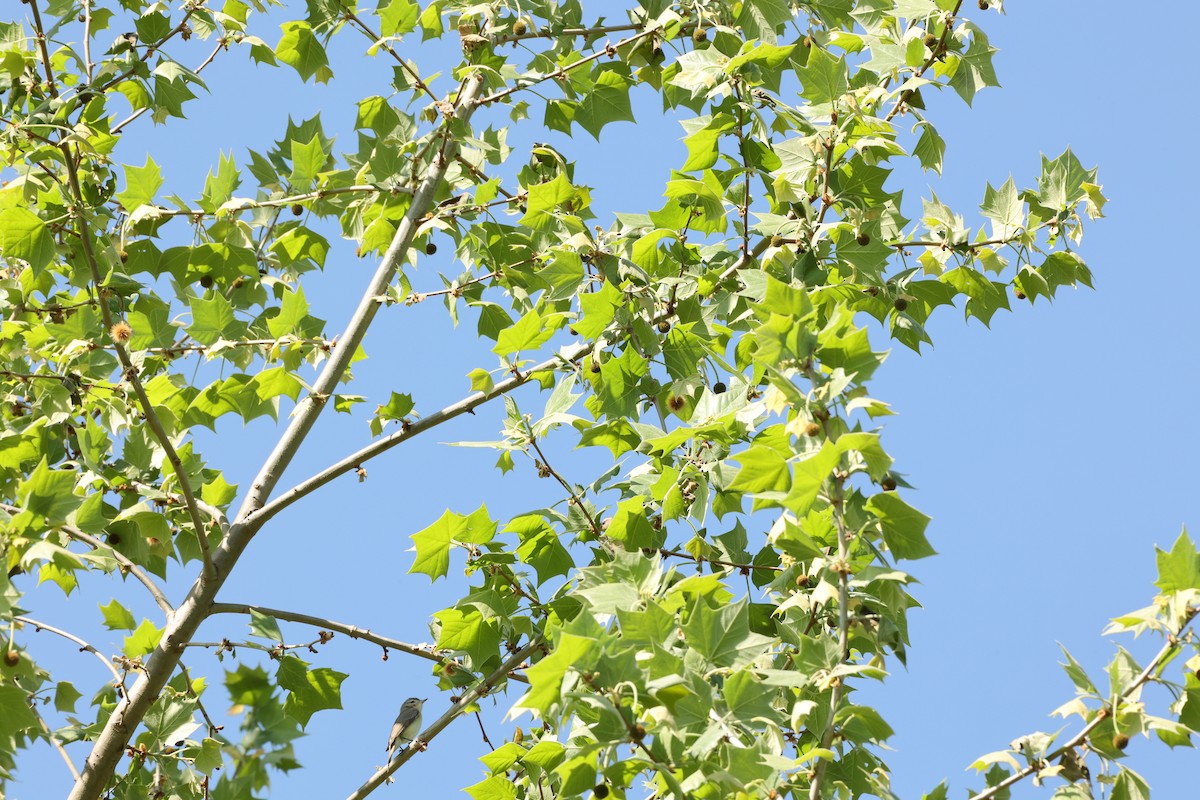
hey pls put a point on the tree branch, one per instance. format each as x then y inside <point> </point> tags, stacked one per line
<point>126,566</point>
<point>118,683</point>
<point>426,736</point>
<point>50,737</point>
<point>1167,651</point>
<point>129,371</point>
<point>575,499</point>
<point>122,723</point>
<point>842,568</point>
<point>467,405</point>
<point>306,412</point>
<point>353,631</point>
<point>934,54</point>
<point>561,72</point>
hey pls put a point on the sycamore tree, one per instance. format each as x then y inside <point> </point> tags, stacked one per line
<point>691,620</point>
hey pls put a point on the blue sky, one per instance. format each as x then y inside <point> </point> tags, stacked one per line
<point>1052,451</point>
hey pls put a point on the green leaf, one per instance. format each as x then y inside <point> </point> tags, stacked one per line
<point>722,635</point>
<point>117,617</point>
<point>761,18</point>
<point>433,543</point>
<point>763,470</point>
<point>141,184</point>
<point>142,641</point>
<point>607,101</point>
<point>481,380</point>
<point>65,695</point>
<point>630,527</point>
<point>492,788</point>
<point>308,159</point>
<point>397,17</point>
<point>1179,570</point>
<point>974,68</point>
<point>930,148</point>
<point>49,493</point>
<point>309,691</point>
<point>209,758</point>
<point>24,236</point>
<point>1004,208</point>
<point>468,631</point>
<point>213,319</point>
<point>528,333</point>
<point>543,199</point>
<point>15,715</point>
<point>300,49</point>
<point>264,627</point>
<point>1129,786</point>
<point>824,78</point>
<point>903,526</point>
<point>546,676</point>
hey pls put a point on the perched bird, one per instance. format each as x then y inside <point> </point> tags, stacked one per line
<point>407,724</point>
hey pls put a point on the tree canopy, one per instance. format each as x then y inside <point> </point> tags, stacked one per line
<point>689,620</point>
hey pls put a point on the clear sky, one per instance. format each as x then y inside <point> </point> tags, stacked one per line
<point>1052,451</point>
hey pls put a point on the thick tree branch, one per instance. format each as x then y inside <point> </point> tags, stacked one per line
<point>124,720</point>
<point>426,736</point>
<point>306,413</point>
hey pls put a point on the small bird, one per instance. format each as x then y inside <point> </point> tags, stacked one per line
<point>407,724</point>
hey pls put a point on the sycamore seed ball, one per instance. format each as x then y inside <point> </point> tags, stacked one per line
<point>120,332</point>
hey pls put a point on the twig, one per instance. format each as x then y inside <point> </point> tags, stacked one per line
<point>192,8</point>
<point>576,500</point>
<point>213,728</point>
<point>935,53</point>
<point>126,566</point>
<point>353,631</point>
<point>221,45</point>
<point>129,370</point>
<point>546,33</point>
<point>483,732</point>
<point>417,297</point>
<point>426,736</point>
<point>481,177</point>
<point>1167,651</point>
<point>40,36</point>
<point>281,202</point>
<point>50,737</point>
<point>733,564</point>
<point>366,30</point>
<point>561,72</point>
<point>83,646</point>
<point>744,208</point>
<point>842,567</point>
